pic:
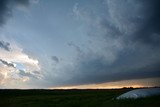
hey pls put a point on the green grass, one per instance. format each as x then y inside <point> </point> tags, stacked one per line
<point>72,98</point>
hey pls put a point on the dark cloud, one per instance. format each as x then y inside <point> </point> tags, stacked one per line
<point>22,2</point>
<point>150,32</point>
<point>5,12</point>
<point>95,70</point>
<point>7,63</point>
<point>5,45</point>
<point>78,49</point>
<point>55,59</point>
<point>125,44</point>
<point>36,72</point>
<point>6,7</point>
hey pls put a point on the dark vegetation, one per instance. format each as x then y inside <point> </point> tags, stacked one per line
<point>72,98</point>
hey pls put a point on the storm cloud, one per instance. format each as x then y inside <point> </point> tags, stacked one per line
<point>6,7</point>
<point>27,74</point>
<point>5,45</point>
<point>124,44</point>
<point>55,59</point>
<point>7,63</point>
<point>80,42</point>
<point>150,32</point>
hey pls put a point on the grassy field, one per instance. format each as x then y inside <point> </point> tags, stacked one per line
<point>72,98</point>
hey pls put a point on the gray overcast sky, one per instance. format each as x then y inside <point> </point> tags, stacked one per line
<point>47,43</point>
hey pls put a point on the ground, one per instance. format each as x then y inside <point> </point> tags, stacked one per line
<point>72,98</point>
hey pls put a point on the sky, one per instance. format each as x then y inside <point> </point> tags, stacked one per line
<point>79,43</point>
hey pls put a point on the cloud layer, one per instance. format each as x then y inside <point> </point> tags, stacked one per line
<point>5,45</point>
<point>6,7</point>
<point>123,42</point>
<point>16,66</point>
<point>83,42</point>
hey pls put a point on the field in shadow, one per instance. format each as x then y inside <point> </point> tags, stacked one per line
<point>72,98</point>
